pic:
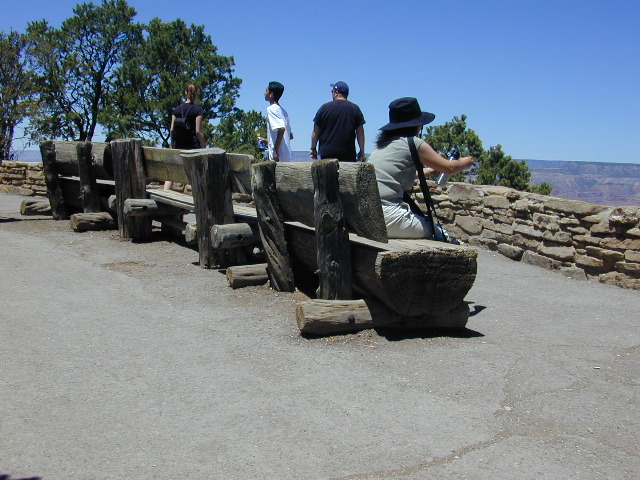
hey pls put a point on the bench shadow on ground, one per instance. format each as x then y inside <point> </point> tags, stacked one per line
<point>158,235</point>
<point>22,219</point>
<point>398,334</point>
<point>4,476</point>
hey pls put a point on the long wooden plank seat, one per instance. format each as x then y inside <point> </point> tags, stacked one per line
<point>180,200</point>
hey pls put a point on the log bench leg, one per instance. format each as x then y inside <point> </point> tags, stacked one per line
<point>332,240</point>
<point>54,189</point>
<point>130,178</point>
<point>211,187</point>
<point>271,225</point>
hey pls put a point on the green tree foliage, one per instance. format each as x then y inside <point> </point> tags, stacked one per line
<point>491,167</point>
<point>76,66</point>
<point>544,188</point>
<point>153,77</point>
<point>16,89</point>
<point>496,168</point>
<point>455,134</point>
<point>238,132</point>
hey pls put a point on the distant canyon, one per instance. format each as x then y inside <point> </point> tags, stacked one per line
<point>612,184</point>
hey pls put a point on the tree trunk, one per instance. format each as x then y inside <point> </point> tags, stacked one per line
<point>358,195</point>
<point>67,159</point>
<point>412,278</point>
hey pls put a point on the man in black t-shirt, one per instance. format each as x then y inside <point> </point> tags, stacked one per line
<point>337,125</point>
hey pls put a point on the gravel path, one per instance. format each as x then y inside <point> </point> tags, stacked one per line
<point>123,360</point>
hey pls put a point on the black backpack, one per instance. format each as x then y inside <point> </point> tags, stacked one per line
<point>182,132</point>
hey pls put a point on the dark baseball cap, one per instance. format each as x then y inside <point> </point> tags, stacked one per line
<point>341,87</point>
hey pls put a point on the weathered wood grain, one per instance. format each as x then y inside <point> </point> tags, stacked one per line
<point>130,179</point>
<point>422,278</point>
<point>35,206</point>
<point>66,163</point>
<point>52,180</point>
<point>92,221</point>
<point>330,317</point>
<point>271,224</point>
<point>208,172</point>
<point>88,185</point>
<point>358,194</point>
<point>332,239</point>
<point>234,235</point>
<point>240,276</point>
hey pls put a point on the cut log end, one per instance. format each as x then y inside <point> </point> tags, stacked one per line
<point>35,206</point>
<point>427,282</point>
<point>240,276</point>
<point>84,222</point>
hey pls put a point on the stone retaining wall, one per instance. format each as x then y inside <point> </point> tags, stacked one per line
<point>581,239</point>
<point>22,178</point>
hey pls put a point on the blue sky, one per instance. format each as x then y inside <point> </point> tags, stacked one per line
<point>549,80</point>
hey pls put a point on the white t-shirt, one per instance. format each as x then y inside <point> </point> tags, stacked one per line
<point>277,118</point>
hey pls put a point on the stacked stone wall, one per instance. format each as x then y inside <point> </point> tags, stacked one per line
<point>22,178</point>
<point>583,240</point>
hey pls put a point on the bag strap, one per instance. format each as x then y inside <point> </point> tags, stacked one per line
<point>431,211</point>
<point>186,115</point>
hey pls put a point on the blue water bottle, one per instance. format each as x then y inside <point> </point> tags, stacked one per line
<point>454,154</point>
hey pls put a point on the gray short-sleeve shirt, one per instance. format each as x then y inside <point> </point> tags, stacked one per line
<point>395,170</point>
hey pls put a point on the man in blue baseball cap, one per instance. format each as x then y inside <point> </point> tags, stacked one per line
<point>337,125</point>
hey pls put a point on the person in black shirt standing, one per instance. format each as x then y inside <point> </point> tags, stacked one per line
<point>190,134</point>
<point>193,116</point>
<point>337,125</point>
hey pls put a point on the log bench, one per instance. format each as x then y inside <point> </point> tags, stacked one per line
<point>79,180</point>
<point>213,175</point>
<point>327,218</point>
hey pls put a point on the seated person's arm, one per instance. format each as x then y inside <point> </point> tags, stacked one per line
<point>431,158</point>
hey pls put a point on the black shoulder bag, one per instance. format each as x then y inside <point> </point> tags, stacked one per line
<point>439,233</point>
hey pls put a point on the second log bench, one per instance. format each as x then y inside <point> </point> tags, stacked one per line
<point>213,175</point>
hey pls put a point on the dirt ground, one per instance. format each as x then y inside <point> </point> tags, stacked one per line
<point>127,360</point>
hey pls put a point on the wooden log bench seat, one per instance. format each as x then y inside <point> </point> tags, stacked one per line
<point>213,175</point>
<point>79,180</point>
<point>328,219</point>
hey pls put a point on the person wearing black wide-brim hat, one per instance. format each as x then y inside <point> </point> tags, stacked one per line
<point>396,171</point>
